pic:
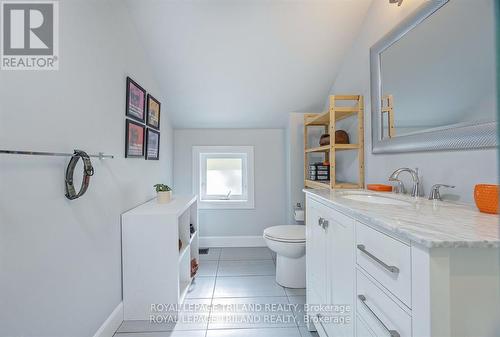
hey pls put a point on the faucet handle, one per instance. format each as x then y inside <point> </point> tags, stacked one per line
<point>435,195</point>
<point>399,187</point>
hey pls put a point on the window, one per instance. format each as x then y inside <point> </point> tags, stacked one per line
<point>223,176</point>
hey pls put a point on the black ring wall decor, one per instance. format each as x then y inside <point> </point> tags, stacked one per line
<point>88,171</point>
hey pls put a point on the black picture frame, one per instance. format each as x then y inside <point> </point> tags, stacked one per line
<point>129,124</point>
<point>148,144</point>
<point>133,111</point>
<point>149,112</point>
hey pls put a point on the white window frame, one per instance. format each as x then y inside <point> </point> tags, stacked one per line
<point>201,153</point>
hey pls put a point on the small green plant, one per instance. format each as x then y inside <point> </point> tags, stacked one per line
<point>162,188</point>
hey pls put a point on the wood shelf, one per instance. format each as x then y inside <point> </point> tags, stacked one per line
<point>348,97</point>
<point>317,184</point>
<point>324,148</point>
<point>318,119</point>
<point>347,185</point>
<point>323,119</point>
<point>326,184</point>
<point>344,114</point>
<point>328,120</point>
<point>337,147</point>
<point>341,147</point>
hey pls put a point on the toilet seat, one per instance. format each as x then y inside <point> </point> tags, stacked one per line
<point>287,233</point>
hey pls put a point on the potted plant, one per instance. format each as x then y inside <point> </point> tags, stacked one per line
<point>164,193</point>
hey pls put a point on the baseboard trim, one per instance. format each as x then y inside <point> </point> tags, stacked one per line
<point>112,323</point>
<point>231,241</point>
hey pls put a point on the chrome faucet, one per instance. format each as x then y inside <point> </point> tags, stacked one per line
<point>415,192</point>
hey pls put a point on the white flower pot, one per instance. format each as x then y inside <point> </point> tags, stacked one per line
<point>164,197</point>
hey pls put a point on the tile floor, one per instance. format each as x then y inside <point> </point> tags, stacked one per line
<point>234,295</point>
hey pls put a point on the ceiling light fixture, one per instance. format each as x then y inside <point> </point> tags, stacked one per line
<point>399,2</point>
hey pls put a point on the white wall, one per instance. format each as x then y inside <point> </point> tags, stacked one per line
<point>245,64</point>
<point>461,168</point>
<point>60,260</point>
<point>270,189</point>
<point>295,162</point>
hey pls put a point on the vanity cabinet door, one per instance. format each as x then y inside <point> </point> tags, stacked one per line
<point>316,247</point>
<point>341,269</point>
<point>330,259</point>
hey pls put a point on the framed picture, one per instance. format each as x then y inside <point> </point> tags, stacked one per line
<point>134,140</point>
<point>136,101</point>
<point>152,144</point>
<point>153,116</point>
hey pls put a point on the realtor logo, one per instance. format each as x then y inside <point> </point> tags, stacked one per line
<point>29,35</point>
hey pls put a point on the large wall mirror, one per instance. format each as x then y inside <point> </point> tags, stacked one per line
<point>433,80</point>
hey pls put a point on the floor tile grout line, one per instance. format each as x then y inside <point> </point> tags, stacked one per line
<point>244,275</point>
<point>214,298</point>
<point>213,294</point>
<point>228,297</point>
<point>295,314</point>
<point>243,260</point>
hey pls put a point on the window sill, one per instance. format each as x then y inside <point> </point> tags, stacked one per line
<point>225,204</point>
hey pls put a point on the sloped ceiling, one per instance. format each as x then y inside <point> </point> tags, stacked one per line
<point>242,63</point>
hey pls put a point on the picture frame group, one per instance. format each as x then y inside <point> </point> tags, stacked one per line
<point>142,125</point>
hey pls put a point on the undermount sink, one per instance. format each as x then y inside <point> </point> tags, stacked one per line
<point>375,199</point>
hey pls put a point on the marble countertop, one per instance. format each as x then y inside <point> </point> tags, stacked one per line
<point>433,224</point>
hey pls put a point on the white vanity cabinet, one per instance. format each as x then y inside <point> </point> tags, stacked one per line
<point>395,287</point>
<point>330,275</point>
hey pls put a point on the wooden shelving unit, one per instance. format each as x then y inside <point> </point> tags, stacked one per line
<point>388,108</point>
<point>328,120</point>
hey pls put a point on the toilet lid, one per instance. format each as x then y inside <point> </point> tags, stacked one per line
<point>290,233</point>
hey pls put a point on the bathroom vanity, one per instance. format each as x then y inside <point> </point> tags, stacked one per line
<point>381,264</point>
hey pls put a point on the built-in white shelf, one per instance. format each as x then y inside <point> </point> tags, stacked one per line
<point>154,269</point>
<point>183,253</point>
<point>194,237</point>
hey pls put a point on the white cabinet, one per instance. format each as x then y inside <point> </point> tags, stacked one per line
<point>330,274</point>
<point>155,269</point>
<point>395,287</point>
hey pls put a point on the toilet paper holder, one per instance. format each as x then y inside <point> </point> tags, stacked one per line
<point>298,212</point>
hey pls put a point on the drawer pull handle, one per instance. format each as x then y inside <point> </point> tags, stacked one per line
<point>393,333</point>
<point>323,223</point>
<point>392,269</point>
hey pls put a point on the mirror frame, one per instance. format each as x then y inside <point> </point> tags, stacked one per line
<point>453,137</point>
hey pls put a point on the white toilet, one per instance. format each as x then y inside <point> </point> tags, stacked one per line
<point>289,244</point>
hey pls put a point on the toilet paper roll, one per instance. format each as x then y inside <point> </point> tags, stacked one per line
<point>298,214</point>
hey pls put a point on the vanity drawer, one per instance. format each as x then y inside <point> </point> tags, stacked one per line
<point>386,259</point>
<point>383,316</point>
